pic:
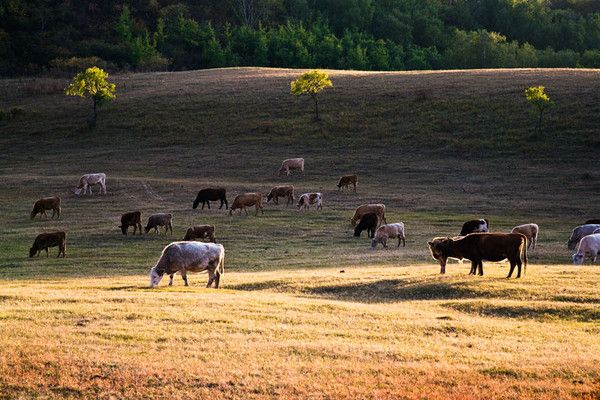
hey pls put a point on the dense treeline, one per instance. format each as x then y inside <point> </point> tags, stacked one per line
<point>63,35</point>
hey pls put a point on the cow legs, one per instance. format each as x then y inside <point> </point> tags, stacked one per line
<point>512,268</point>
<point>480,267</point>
<point>171,279</point>
<point>208,204</point>
<point>211,278</point>
<point>171,228</point>
<point>46,252</point>
<point>184,276</point>
<point>473,268</point>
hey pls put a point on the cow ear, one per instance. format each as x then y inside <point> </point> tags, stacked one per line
<point>430,243</point>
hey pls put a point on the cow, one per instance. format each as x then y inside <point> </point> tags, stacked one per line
<point>161,219</point>
<point>346,181</point>
<point>378,209</point>
<point>530,231</point>
<point>242,201</point>
<point>579,232</point>
<point>46,203</point>
<point>588,246</point>
<point>368,222</point>
<point>189,256</point>
<point>308,199</point>
<point>385,232</point>
<point>131,219</point>
<point>592,221</point>
<point>474,226</point>
<point>45,240</point>
<point>291,164</point>
<point>88,180</point>
<point>200,232</point>
<point>205,196</point>
<point>479,247</point>
<point>281,191</point>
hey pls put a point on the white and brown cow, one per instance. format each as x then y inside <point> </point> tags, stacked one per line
<point>308,199</point>
<point>475,226</point>
<point>88,180</point>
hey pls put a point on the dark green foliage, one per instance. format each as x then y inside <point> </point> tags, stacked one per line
<point>36,35</point>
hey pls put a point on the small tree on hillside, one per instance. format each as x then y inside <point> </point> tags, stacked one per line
<point>92,83</point>
<point>540,101</point>
<point>311,83</point>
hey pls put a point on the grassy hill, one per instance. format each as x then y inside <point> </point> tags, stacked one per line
<point>436,147</point>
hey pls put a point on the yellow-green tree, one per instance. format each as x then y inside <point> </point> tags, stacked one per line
<point>311,84</point>
<point>540,101</point>
<point>92,83</point>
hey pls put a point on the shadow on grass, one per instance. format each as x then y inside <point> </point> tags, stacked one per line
<point>542,312</point>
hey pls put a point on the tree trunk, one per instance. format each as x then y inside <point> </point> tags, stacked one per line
<point>92,118</point>
<point>539,127</point>
<point>317,117</point>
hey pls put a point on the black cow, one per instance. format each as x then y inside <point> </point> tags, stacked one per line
<point>368,222</point>
<point>474,226</point>
<point>205,196</point>
<point>131,219</point>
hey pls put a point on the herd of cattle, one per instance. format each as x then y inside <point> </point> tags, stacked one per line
<point>474,243</point>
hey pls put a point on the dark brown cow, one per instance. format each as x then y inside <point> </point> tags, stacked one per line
<point>46,203</point>
<point>368,222</point>
<point>478,247</point>
<point>201,232</point>
<point>45,240</point>
<point>131,219</point>
<point>474,226</point>
<point>281,191</point>
<point>205,196</point>
<point>347,180</point>
<point>592,221</point>
<point>161,219</point>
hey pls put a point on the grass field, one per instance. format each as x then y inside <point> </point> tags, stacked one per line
<point>437,148</point>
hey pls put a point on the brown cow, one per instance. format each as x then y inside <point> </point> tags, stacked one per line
<point>346,181</point>
<point>281,191</point>
<point>530,231</point>
<point>378,209</point>
<point>131,219</point>
<point>200,232</point>
<point>161,219</point>
<point>46,203</point>
<point>291,164</point>
<point>45,240</point>
<point>478,247</point>
<point>242,201</point>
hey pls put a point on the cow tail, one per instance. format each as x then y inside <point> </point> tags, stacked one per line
<point>525,257</point>
<point>222,264</point>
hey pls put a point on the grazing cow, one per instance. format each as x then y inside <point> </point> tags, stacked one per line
<point>579,232</point>
<point>592,221</point>
<point>478,247</point>
<point>161,219</point>
<point>368,222</point>
<point>242,201</point>
<point>346,181</point>
<point>131,219</point>
<point>47,203</point>
<point>308,199</point>
<point>200,232</point>
<point>205,196</point>
<point>385,232</point>
<point>378,209</point>
<point>291,164</point>
<point>281,191</point>
<point>88,180</point>
<point>475,226</point>
<point>45,240</point>
<point>530,231</point>
<point>588,246</point>
<point>190,256</point>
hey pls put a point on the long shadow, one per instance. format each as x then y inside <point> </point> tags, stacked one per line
<point>544,312</point>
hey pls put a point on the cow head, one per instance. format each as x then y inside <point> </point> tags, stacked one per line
<point>300,202</point>
<point>439,251</point>
<point>155,276</point>
<point>33,213</point>
<point>381,239</point>
<point>577,259</point>
<point>123,229</point>
<point>270,196</point>
<point>32,251</point>
<point>77,191</point>
<point>571,244</point>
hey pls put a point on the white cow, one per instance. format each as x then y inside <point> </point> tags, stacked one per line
<point>308,199</point>
<point>588,246</point>
<point>87,180</point>
<point>389,231</point>
<point>580,232</point>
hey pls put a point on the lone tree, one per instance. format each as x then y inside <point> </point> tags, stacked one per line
<point>537,97</point>
<point>311,83</point>
<point>92,83</point>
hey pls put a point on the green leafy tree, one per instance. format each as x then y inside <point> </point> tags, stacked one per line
<point>311,84</point>
<point>540,101</point>
<point>92,83</point>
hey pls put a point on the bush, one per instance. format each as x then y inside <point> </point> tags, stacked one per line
<point>153,63</point>
<point>591,59</point>
<point>64,66</point>
<point>16,111</point>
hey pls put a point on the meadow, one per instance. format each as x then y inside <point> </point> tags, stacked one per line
<point>305,310</point>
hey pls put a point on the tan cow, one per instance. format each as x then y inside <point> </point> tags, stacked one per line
<point>281,191</point>
<point>291,164</point>
<point>389,231</point>
<point>530,231</point>
<point>46,203</point>
<point>378,209</point>
<point>346,181</point>
<point>244,200</point>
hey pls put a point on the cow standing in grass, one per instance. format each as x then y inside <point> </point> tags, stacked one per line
<point>347,180</point>
<point>131,219</point>
<point>46,203</point>
<point>530,231</point>
<point>88,180</point>
<point>308,199</point>
<point>368,222</point>
<point>45,240</point>
<point>244,200</point>
<point>161,219</point>
<point>378,209</point>
<point>205,196</point>
<point>588,246</point>
<point>580,232</point>
<point>281,191</point>
<point>475,226</point>
<point>291,164</point>
<point>200,232</point>
<point>389,231</point>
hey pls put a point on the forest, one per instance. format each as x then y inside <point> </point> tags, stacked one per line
<point>63,36</point>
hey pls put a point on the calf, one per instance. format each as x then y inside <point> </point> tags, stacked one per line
<point>161,219</point>
<point>378,209</point>
<point>45,240</point>
<point>588,246</point>
<point>46,203</point>
<point>389,231</point>
<point>347,180</point>
<point>478,247</point>
<point>291,164</point>
<point>579,232</point>
<point>200,232</point>
<point>474,226</point>
<point>308,199</point>
<point>242,201</point>
<point>530,231</point>
<point>368,222</point>
<point>205,196</point>
<point>131,219</point>
<point>281,191</point>
<point>189,256</point>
